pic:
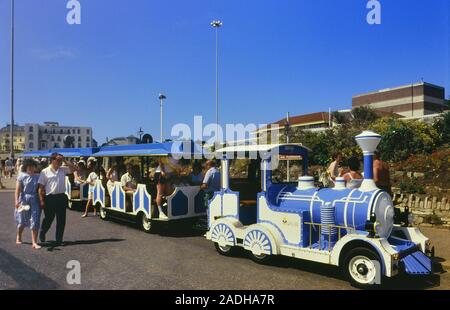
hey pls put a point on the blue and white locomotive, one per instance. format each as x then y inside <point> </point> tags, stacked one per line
<point>353,229</point>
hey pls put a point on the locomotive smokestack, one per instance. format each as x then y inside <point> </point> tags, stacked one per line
<point>368,142</point>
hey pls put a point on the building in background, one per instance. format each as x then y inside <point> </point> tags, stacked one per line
<point>312,122</point>
<point>414,100</point>
<point>52,134</point>
<point>122,141</point>
<point>19,139</point>
<point>422,101</point>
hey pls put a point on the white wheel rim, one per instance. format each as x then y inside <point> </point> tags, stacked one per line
<point>146,223</point>
<point>102,213</point>
<point>362,270</point>
<point>260,256</point>
<point>224,248</point>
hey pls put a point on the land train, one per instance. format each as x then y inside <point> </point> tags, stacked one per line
<point>354,229</point>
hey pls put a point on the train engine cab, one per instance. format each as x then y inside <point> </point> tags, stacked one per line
<point>353,229</point>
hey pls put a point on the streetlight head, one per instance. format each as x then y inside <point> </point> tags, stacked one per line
<point>216,23</point>
<point>162,97</point>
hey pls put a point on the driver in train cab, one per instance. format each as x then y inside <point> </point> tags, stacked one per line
<point>211,181</point>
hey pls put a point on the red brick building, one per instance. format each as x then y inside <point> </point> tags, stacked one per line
<point>409,101</point>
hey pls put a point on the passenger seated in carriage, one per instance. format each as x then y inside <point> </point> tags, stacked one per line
<point>114,173</point>
<point>353,178</point>
<point>196,176</point>
<point>129,182</point>
<point>80,174</point>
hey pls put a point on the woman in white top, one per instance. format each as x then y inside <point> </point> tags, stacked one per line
<point>91,180</point>
<point>353,178</point>
<point>80,174</point>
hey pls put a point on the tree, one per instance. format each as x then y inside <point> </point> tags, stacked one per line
<point>338,118</point>
<point>363,116</point>
<point>443,128</point>
<point>401,138</point>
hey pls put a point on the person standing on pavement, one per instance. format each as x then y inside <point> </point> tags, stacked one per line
<point>52,187</point>
<point>91,180</point>
<point>381,175</point>
<point>28,211</point>
<point>9,167</point>
<point>1,174</point>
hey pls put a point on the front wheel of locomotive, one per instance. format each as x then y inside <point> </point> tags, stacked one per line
<point>362,267</point>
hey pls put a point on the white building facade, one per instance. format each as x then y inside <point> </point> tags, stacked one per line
<point>52,134</point>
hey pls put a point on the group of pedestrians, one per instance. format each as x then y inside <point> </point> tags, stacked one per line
<point>45,191</point>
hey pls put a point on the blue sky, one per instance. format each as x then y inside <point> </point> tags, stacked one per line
<point>299,56</point>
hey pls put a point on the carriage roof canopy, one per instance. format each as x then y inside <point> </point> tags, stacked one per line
<point>68,152</point>
<point>152,149</point>
<point>266,149</point>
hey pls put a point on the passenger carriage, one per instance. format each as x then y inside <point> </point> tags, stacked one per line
<point>184,203</point>
<point>76,193</point>
<point>354,229</point>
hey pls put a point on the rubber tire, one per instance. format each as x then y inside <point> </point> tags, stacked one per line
<point>262,261</point>
<point>360,251</point>
<point>228,253</point>
<point>141,225</point>
<point>105,217</point>
<point>70,205</point>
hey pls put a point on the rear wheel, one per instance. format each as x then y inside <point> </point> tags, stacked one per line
<point>362,267</point>
<point>146,224</point>
<point>225,250</point>
<point>70,205</point>
<point>103,213</point>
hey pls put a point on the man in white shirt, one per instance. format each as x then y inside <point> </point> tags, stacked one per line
<point>52,188</point>
<point>211,182</point>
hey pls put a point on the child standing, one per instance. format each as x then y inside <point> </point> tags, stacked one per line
<point>91,180</point>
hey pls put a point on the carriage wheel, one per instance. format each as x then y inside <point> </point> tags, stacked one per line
<point>146,224</point>
<point>103,213</point>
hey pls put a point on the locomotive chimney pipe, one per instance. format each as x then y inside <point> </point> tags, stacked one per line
<point>368,142</point>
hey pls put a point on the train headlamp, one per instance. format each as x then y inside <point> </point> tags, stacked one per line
<point>373,227</point>
<point>395,256</point>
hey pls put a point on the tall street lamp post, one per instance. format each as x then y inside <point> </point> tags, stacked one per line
<point>217,24</point>
<point>161,99</point>
<point>11,129</point>
<point>287,128</point>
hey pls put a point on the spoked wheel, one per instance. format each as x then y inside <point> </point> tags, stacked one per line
<point>225,250</point>
<point>103,213</point>
<point>146,224</point>
<point>362,268</point>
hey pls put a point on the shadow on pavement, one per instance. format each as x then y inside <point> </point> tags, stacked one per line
<point>25,276</point>
<point>51,246</point>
